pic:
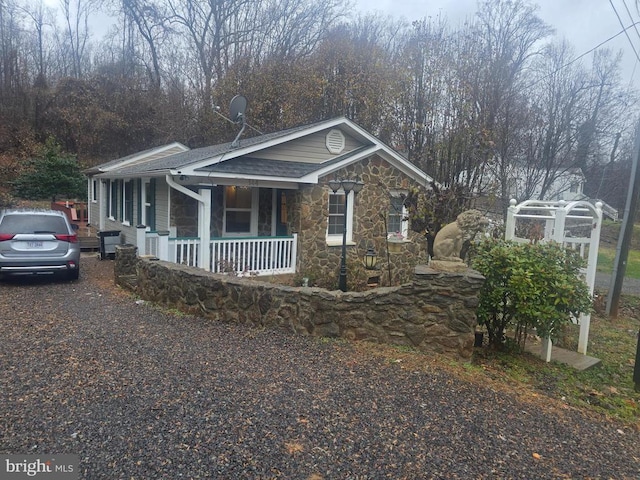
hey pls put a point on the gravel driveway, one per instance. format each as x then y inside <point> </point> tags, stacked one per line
<point>139,393</point>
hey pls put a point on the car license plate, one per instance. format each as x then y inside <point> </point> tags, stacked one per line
<point>35,244</point>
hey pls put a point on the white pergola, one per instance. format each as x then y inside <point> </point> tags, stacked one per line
<point>560,221</point>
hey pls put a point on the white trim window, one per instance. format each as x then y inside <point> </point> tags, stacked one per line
<point>112,198</point>
<point>127,202</point>
<point>148,206</point>
<point>397,217</point>
<point>240,211</point>
<point>335,221</point>
<point>94,190</point>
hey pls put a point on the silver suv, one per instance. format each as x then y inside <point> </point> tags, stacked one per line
<point>38,241</point>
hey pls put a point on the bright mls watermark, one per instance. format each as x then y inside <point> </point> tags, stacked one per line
<point>48,467</point>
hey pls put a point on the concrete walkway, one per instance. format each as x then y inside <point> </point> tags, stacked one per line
<point>568,357</point>
<point>630,286</point>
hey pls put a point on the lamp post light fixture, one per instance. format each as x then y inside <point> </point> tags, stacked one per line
<point>347,186</point>
<point>370,259</point>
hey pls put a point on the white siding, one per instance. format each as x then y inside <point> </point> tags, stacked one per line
<point>94,207</point>
<point>311,149</point>
<point>162,205</point>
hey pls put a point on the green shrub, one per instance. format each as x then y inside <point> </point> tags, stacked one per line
<point>52,174</point>
<point>528,286</point>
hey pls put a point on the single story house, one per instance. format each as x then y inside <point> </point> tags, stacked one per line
<point>265,206</point>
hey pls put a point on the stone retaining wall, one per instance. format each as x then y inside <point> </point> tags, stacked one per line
<point>434,313</point>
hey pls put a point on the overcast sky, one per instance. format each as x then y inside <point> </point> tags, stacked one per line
<point>584,23</point>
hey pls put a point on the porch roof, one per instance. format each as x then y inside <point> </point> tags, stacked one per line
<point>269,167</point>
<point>186,158</point>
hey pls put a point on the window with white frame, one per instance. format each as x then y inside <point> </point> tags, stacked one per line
<point>94,190</point>
<point>240,205</point>
<point>148,211</point>
<point>397,221</point>
<point>336,218</point>
<point>112,187</point>
<point>127,202</point>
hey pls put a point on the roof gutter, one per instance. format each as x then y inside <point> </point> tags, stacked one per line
<point>190,193</point>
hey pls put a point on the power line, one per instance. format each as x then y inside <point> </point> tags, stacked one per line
<point>624,2</point>
<point>635,65</point>
<point>625,30</point>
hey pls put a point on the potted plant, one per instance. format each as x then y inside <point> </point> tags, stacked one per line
<point>395,241</point>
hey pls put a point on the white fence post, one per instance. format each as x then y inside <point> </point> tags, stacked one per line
<point>592,263</point>
<point>294,253</point>
<point>141,239</point>
<point>547,347</point>
<point>163,246</point>
<point>510,227</point>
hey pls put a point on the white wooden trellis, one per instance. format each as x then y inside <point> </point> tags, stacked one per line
<point>558,221</point>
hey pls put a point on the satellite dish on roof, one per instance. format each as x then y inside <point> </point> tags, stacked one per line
<point>237,108</point>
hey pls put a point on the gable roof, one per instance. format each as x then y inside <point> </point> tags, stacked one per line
<point>226,161</point>
<point>143,157</point>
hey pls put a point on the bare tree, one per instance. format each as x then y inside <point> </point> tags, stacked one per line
<point>508,34</point>
<point>76,39</point>
<point>152,25</point>
<point>14,70</point>
<point>423,92</point>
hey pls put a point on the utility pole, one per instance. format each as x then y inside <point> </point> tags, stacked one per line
<point>626,232</point>
<point>622,252</point>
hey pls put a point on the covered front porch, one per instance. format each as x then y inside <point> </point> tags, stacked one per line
<point>241,256</point>
<point>228,227</point>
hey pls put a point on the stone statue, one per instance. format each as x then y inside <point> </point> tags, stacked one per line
<point>449,240</point>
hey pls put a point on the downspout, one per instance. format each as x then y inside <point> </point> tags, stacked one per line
<point>204,219</point>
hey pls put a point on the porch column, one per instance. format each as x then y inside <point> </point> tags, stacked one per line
<point>204,217</point>
<point>204,227</point>
<point>103,208</point>
<point>90,194</point>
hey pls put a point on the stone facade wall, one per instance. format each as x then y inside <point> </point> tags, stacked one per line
<point>321,263</point>
<point>265,207</point>
<point>184,214</point>
<point>433,313</point>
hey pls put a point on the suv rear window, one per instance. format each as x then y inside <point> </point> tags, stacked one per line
<point>33,223</point>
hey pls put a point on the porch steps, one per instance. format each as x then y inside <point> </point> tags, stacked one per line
<point>89,244</point>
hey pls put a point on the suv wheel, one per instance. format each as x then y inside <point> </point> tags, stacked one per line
<point>74,274</point>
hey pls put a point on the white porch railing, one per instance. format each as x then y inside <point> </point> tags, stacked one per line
<point>242,256</point>
<point>255,255</point>
<point>184,250</point>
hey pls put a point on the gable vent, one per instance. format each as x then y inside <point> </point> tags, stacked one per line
<point>335,141</point>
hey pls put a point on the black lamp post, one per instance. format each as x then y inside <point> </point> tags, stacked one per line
<point>347,186</point>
